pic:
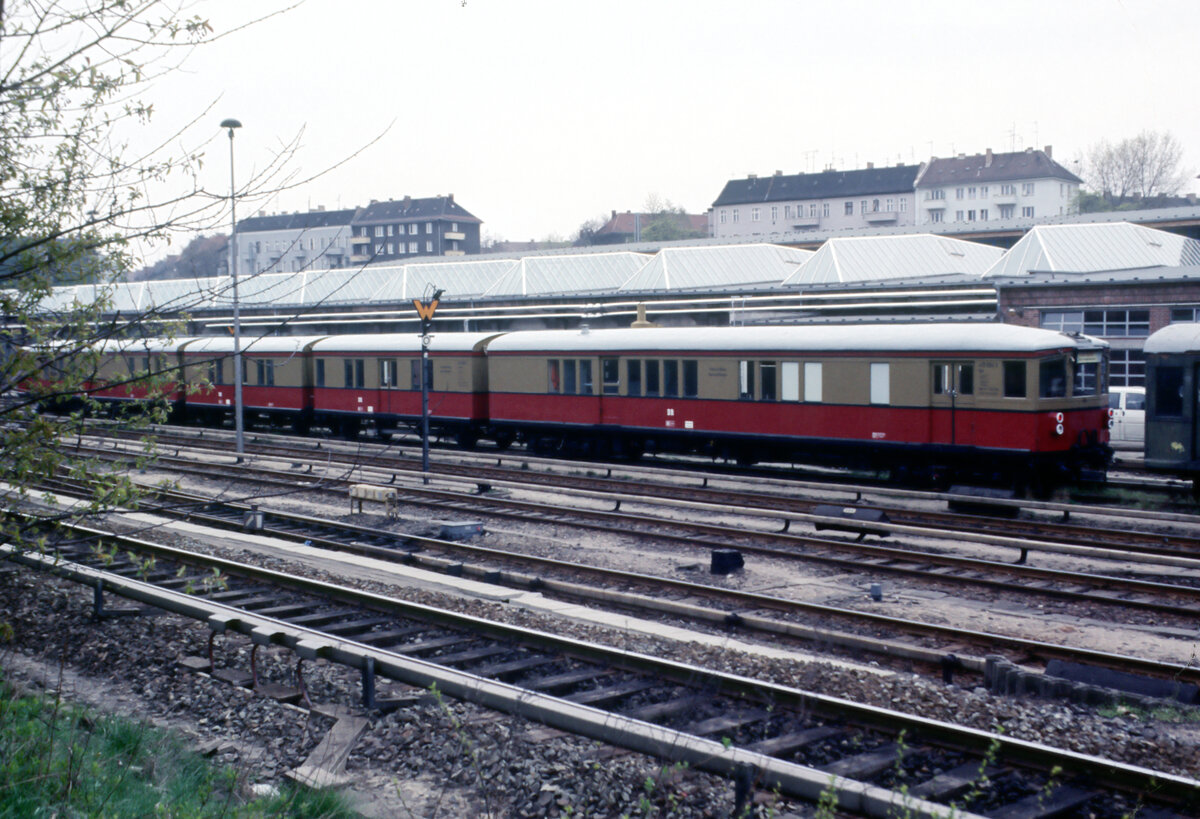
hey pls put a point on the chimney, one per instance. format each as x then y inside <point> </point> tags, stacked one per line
<point>614,216</point>
<point>752,176</point>
<point>1050,151</point>
<point>779,173</point>
<point>407,202</point>
<point>450,196</point>
<point>870,166</point>
<point>987,158</point>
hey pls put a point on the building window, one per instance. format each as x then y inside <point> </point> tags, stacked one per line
<point>1127,368</point>
<point>862,206</point>
<point>722,215</point>
<point>903,205</point>
<point>1027,212</point>
<point>1027,188</point>
<point>412,247</point>
<point>1008,190</point>
<point>958,193</point>
<point>824,208</point>
<point>412,229</point>
<point>971,192</point>
<point>1006,211</point>
<point>940,193</point>
<point>970,216</point>
<point>454,227</point>
<point>935,216</point>
<point>849,208</point>
<point>390,228</point>
<point>1064,321</point>
<point>774,214</point>
<point>428,246</point>
<point>1129,323</point>
<point>735,215</point>
<point>812,210</point>
<point>378,230</point>
<point>891,205</point>
<point>874,206</point>
<point>983,214</point>
<point>379,249</point>
<point>429,227</point>
<point>753,214</point>
<point>958,216</point>
<point>1185,314</point>
<point>787,211</point>
<point>983,191</point>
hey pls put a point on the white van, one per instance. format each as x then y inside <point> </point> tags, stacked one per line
<point>1127,415</point>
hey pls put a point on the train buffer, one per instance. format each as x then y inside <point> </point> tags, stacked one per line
<point>386,495</point>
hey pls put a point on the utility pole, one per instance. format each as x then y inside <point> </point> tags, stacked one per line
<point>426,309</point>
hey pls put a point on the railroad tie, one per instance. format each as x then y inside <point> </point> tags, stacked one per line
<point>326,765</point>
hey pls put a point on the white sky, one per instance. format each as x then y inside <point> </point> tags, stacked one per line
<point>540,114</point>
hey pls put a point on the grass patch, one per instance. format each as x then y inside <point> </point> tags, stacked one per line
<point>62,760</point>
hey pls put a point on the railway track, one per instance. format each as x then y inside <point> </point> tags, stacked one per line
<point>872,760</point>
<point>467,497</point>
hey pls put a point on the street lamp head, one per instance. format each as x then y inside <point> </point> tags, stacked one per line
<point>231,124</point>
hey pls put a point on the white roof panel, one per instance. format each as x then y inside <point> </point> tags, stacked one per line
<point>1094,248</point>
<point>846,260</point>
<point>576,273</point>
<point>866,338</point>
<point>716,266</point>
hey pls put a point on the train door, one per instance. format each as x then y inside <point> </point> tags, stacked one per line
<point>952,386</point>
<point>610,391</point>
<point>385,402</point>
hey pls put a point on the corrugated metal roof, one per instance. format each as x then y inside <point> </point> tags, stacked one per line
<point>581,273</point>
<point>874,258</point>
<point>694,268</point>
<point>1094,247</point>
<point>460,279</point>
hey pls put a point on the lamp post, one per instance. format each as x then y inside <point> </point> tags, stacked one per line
<point>425,310</point>
<point>231,124</point>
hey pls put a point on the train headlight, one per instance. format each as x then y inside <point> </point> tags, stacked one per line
<point>1058,416</point>
<point>1058,430</point>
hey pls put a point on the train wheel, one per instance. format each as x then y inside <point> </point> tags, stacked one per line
<point>504,440</point>
<point>466,440</point>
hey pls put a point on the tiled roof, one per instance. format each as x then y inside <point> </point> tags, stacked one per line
<point>991,167</point>
<point>824,185</point>
<point>297,221</point>
<point>408,208</point>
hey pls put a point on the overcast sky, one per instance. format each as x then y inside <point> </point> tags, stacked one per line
<point>540,114</point>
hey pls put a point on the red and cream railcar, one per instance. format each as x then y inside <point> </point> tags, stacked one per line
<point>277,380</point>
<point>134,372</point>
<point>364,381</point>
<point>931,399</point>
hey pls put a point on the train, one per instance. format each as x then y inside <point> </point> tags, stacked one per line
<point>1172,436</point>
<point>924,402</point>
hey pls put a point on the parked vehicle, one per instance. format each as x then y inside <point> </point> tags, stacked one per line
<point>1127,415</point>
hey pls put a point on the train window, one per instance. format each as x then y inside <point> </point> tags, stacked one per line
<point>790,372</point>
<point>216,371</point>
<point>746,380</point>
<point>651,378</point>
<point>387,373</point>
<point>1053,378</point>
<point>812,381</point>
<point>671,379</point>
<point>633,369</point>
<point>767,381</point>
<point>1087,378</point>
<point>941,379</point>
<point>610,376</point>
<point>881,387</point>
<point>585,378</point>
<point>966,379</point>
<point>320,372</point>
<point>691,379</point>
<point>1014,379</point>
<point>415,373</point>
<point>568,377</point>
<point>1168,392</point>
<point>552,376</point>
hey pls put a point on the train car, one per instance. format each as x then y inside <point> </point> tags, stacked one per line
<point>277,380</point>
<point>129,373</point>
<point>1172,435</point>
<point>374,382</point>
<point>933,400</point>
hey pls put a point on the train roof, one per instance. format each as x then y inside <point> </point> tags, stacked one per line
<point>1174,338</point>
<point>944,337</point>
<point>251,344</point>
<point>402,343</point>
<point>136,346</point>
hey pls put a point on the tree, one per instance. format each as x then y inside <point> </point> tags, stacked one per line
<point>73,196</point>
<point>1137,168</point>
<point>667,222</point>
<point>586,234</point>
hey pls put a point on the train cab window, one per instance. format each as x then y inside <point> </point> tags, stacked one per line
<point>1087,378</point>
<point>1014,379</point>
<point>319,374</point>
<point>766,381</point>
<point>1168,392</point>
<point>387,373</point>
<point>585,378</point>
<point>568,377</point>
<point>746,380</point>
<point>633,370</point>
<point>670,379</point>
<point>610,376</point>
<point>881,386</point>
<point>554,384</point>
<point>1053,378</point>
<point>813,381</point>
<point>790,376</point>
<point>651,382</point>
<point>691,379</point>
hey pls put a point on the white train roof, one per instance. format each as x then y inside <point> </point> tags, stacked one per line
<point>141,346</point>
<point>1174,338</point>
<point>250,344</point>
<point>943,337</point>
<point>401,343</point>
